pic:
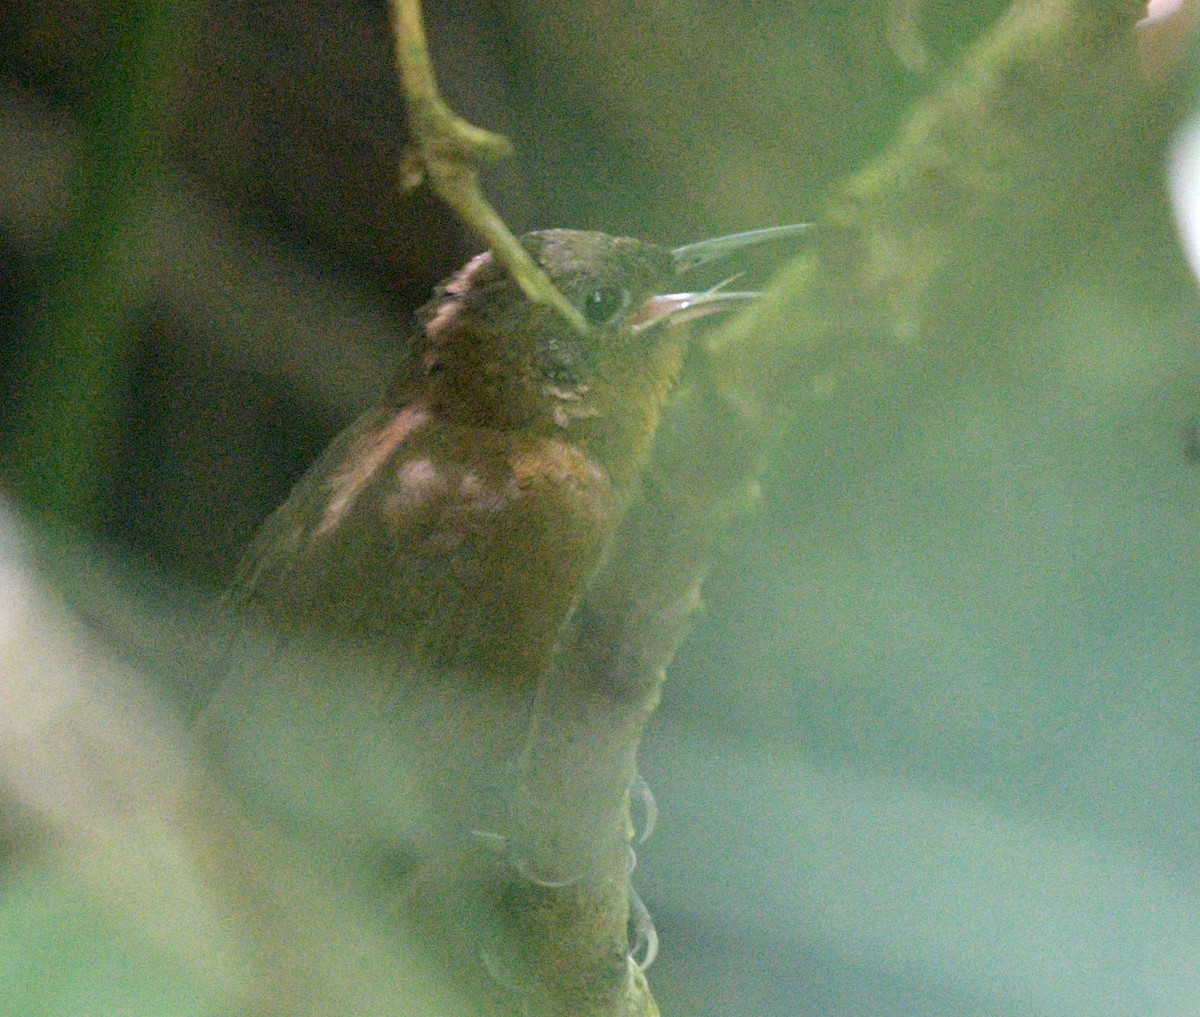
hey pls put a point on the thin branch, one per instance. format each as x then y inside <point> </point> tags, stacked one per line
<point>447,151</point>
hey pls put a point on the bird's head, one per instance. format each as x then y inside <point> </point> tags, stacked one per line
<point>487,355</point>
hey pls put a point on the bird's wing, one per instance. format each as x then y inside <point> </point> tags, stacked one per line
<point>409,557</point>
<point>288,652</point>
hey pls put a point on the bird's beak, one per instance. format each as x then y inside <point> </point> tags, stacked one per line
<point>678,308</point>
<point>691,256</point>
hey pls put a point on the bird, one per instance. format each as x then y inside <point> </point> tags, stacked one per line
<point>442,540</point>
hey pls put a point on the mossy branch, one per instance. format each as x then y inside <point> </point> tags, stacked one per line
<point>1052,80</point>
<point>1049,81</point>
<point>1055,87</point>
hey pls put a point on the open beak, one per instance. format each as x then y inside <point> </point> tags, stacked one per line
<point>679,308</point>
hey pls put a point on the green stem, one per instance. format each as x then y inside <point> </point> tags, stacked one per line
<point>447,150</point>
<point>81,344</point>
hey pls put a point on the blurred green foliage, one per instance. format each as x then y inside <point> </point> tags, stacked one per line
<point>61,438</point>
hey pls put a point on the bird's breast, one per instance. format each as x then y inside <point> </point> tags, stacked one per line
<point>493,540</point>
<point>454,548</point>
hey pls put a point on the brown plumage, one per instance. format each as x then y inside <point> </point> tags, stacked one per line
<point>455,524</point>
<point>434,552</point>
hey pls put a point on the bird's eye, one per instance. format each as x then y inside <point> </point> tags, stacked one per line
<point>603,304</point>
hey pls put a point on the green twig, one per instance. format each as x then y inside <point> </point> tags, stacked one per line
<point>446,152</point>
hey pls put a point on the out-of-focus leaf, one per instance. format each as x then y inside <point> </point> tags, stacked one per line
<point>67,951</point>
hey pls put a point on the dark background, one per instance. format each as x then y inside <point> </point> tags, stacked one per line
<point>932,747</point>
